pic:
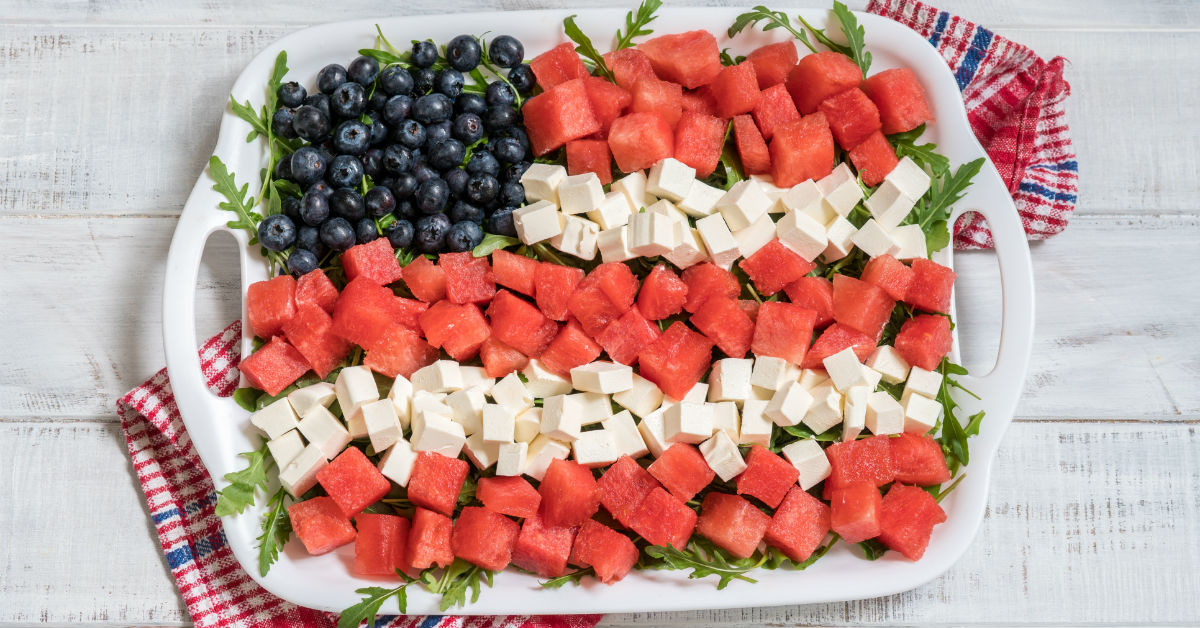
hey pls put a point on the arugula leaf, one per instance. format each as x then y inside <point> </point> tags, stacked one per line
<point>574,577</point>
<point>932,212</point>
<point>245,397</point>
<point>728,59</point>
<point>236,200</point>
<point>455,581</point>
<point>855,46</point>
<point>277,529</point>
<point>236,497</point>
<point>584,47</point>
<point>924,155</point>
<point>771,20</point>
<point>940,493</point>
<point>872,549</point>
<point>246,112</point>
<point>373,598</point>
<point>705,559</point>
<point>278,71</point>
<point>384,57</point>
<point>635,24</point>
<point>953,437</point>
<point>491,242</point>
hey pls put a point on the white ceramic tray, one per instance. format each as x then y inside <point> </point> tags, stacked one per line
<point>219,428</point>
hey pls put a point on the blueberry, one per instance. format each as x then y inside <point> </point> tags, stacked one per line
<point>337,234</point>
<point>330,78</point>
<point>291,208</point>
<point>308,165</point>
<point>423,80</point>
<point>501,222</point>
<point>447,155</point>
<point>508,150</point>
<point>469,102</point>
<point>379,130</point>
<point>424,53</point>
<point>377,100</point>
<point>395,81</point>
<point>511,193</point>
<point>499,93</point>
<point>396,109</point>
<point>406,211</point>
<point>463,236</point>
<point>457,179</point>
<point>512,174</point>
<point>397,159</point>
<point>372,162</point>
<point>399,234</point>
<point>345,172</point>
<point>320,187</point>
<point>281,123</point>
<point>320,101</point>
<point>517,133</point>
<point>423,173</point>
<point>347,203</point>
<point>432,108</point>
<point>404,185</point>
<point>432,196</point>
<point>351,137</point>
<point>431,233</point>
<point>463,211</point>
<point>309,239</point>
<point>283,169</point>
<point>310,123</point>
<point>483,162</point>
<point>291,94</point>
<point>506,51</point>
<point>449,82</point>
<point>410,134</point>
<point>379,201</point>
<point>277,232</point>
<point>363,70</point>
<point>522,78</point>
<point>348,101</point>
<point>436,133</point>
<point>482,189</point>
<point>365,230</point>
<point>500,117</point>
<point>464,53</point>
<point>301,262</point>
<point>467,128</point>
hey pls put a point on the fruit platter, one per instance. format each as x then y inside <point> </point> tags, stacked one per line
<point>597,312</point>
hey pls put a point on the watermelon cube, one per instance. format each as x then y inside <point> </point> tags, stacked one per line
<point>888,273</point>
<point>543,549</point>
<point>918,459</point>
<point>736,90</point>
<point>484,538</point>
<point>617,282</point>
<point>874,158</point>
<point>513,271</point>
<point>664,520</point>
<point>663,293</point>
<point>752,149</point>
<point>311,332</point>
<point>459,329</point>
<point>661,97</point>
<point>426,280</point>
<point>609,553</point>
<point>835,338</point>
<point>584,156</point>
<point>274,366</point>
<point>814,293</point>
<point>699,139</point>
<point>783,330</point>
<point>639,140</point>
<point>750,307</point>
<point>608,101</point>
<point>775,109</point>
<point>436,481</point>
<point>682,470</point>
<point>860,305</point>
<point>726,324</point>
<point>558,115</point>
<point>572,347</point>
<point>699,101</point>
<point>677,360</point>
<point>500,359</point>
<point>900,99</point>
<point>352,481</point>
<point>690,59</point>
<point>852,117</point>
<point>429,540</point>
<point>864,460</point>
<point>381,545</point>
<point>375,260</point>
<point>557,66</point>
<point>799,525</point>
<point>772,63</point>
<point>316,289</point>
<point>469,279</point>
<point>819,76</point>
<point>708,280</point>
<point>407,312</point>
<point>623,486</point>
<point>774,266</point>
<point>626,336</point>
<point>603,296</point>
<point>320,524</point>
<point>509,495</point>
<point>732,523</point>
<point>924,340</point>
<point>569,494</point>
<point>520,325</point>
<point>767,476</point>
<point>906,519</point>
<point>399,351</point>
<point>801,150</point>
<point>854,511</point>
<point>931,286</point>
<point>364,312</point>
<point>553,286</point>
<point>270,304</point>
<point>628,66</point>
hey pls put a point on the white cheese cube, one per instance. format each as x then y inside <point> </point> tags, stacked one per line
<point>277,418</point>
<point>476,377</point>
<point>730,379</point>
<point>633,186</point>
<point>542,383</point>
<point>755,428</point>
<point>840,189</point>
<point>854,412</point>
<point>756,236</point>
<point>511,458</point>
<point>771,373</point>
<point>541,182</point>
<point>482,454</point>
<point>612,212</point>
<point>844,369</point>
<point>285,447</point>
<point>874,240</point>
<point>760,393</point>
<point>725,418</point>
<point>872,377</point>
<point>909,178</point>
<point>572,235</point>
<point>466,408</point>
<point>789,404</point>
<point>889,363</point>
<point>538,222</point>
<point>922,382</point>
<point>318,394</point>
<point>802,234</point>
<point>668,209</point>
<point>690,250</point>
<point>562,418</point>
<point>670,179</point>
<point>580,193</point>
<point>889,206</point>
<point>355,387</point>
<point>885,415</point>
<point>920,414</point>
<point>698,393</point>
<point>802,197</point>
<point>826,409</point>
<point>441,376</point>
<point>300,474</point>
<point>383,426</point>
<point>614,245</point>
<point>593,407</point>
<point>909,240</point>
<point>773,192</point>
<point>602,377</point>
<point>642,398</point>
<point>595,448</point>
<point>743,204</point>
<point>441,435</point>
<point>651,234</point>
<point>401,396</point>
<point>542,451</point>
<point>810,460</point>
<point>528,425</point>
<point>322,429</point>
<point>840,233</point>
<point>511,393</point>
<point>589,239</point>
<point>722,456</point>
<point>653,428</point>
<point>397,464</point>
<point>811,378</point>
<point>499,424</point>
<point>701,200</point>
<point>718,240</point>
<point>625,435</point>
<point>357,426</point>
<point>425,402</point>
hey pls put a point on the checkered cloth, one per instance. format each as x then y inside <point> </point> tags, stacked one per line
<point>1015,105</point>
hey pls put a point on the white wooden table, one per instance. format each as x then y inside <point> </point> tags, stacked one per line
<point>109,109</point>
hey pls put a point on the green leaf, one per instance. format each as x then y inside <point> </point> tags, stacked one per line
<point>954,435</point>
<point>279,71</point>
<point>253,118</point>
<point>245,397</point>
<point>236,497</point>
<point>584,46</point>
<point>491,242</point>
<point>574,577</point>
<point>276,530</point>
<point>771,20</point>
<point>855,46</point>
<point>237,201</point>
<point>932,212</point>
<point>873,549</point>
<point>373,598</point>
<point>455,581</point>
<point>383,57</point>
<point>635,23</point>
<point>705,559</point>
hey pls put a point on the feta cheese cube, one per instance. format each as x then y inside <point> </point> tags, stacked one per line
<point>840,233</point>
<point>625,434</point>
<point>476,377</point>
<point>909,240</point>
<point>481,453</point>
<point>889,363</point>
<point>701,200</point>
<point>922,382</point>
<point>612,212</point>
<point>826,409</point>
<point>528,425</point>
<point>690,250</point>
<point>499,424</point>
<point>441,435</point>
<point>755,428</point>
<point>802,234</point>
<point>730,379</point>
<point>885,415</point>
<point>805,198</point>
<point>844,369</point>
<point>511,393</point>
<point>668,209</point>
<point>275,419</point>
<point>285,447</point>
<point>653,428</point>
<point>725,418</point>
<point>580,193</point>
<point>318,394</point>
<point>562,418</point>
<point>642,398</point>
<point>840,189</point>
<point>357,426</point>
<point>698,393</point>
<point>633,186</point>
<point>773,192</point>
<point>722,456</point>
<point>718,240</point>
<point>397,464</point>
<point>301,473</point>
<point>322,429</point>
<point>789,404</point>
<point>538,222</point>
<point>355,387</point>
<point>760,393</point>
<point>889,206</point>
<point>670,179</point>
<point>872,377</point>
<point>756,236</point>
<point>909,178</point>
<point>743,204</point>
<point>401,397</point>
<point>383,426</point>
<point>542,451</point>
<point>874,240</point>
<point>425,402</point>
<point>541,182</point>
<point>811,378</point>
<point>771,373</point>
<point>589,239</point>
<point>920,414</point>
<point>542,383</point>
<point>595,448</point>
<point>602,377</point>
<point>593,407</point>
<point>466,408</point>
<point>651,234</point>
<point>614,245</point>
<point>854,412</point>
<point>441,376</point>
<point>810,460</point>
<point>511,458</point>
<point>571,237</point>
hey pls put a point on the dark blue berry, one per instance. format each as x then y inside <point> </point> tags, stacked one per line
<point>405,210</point>
<point>320,187</point>
<point>449,82</point>
<point>424,54</point>
<point>397,159</point>
<point>330,78</point>
<point>395,80</point>
<point>404,185</point>
<point>483,162</point>
<point>351,137</point>
<point>515,132</point>
<point>291,94</point>
<point>507,150</point>
<point>464,53</point>
<point>431,233</point>
<point>363,71</point>
<point>308,165</point>
<point>448,154</point>
<point>283,169</point>
<point>522,78</point>
<point>399,234</point>
<point>467,128</point>
<point>501,222</point>
<point>365,230</point>
<point>396,109</point>
<point>347,203</point>
<point>469,102</point>
<point>506,51</point>
<point>310,123</point>
<point>482,189</point>
<point>499,93</point>
<point>291,209</point>
<point>281,123</point>
<point>423,173</point>
<point>423,80</point>
<point>500,117</point>
<point>457,179</point>
<point>320,101</point>
<point>436,133</point>
<point>432,196</point>
<point>512,173</point>
<point>345,171</point>
<point>432,108</point>
<point>379,130</point>
<point>377,100</point>
<point>410,134</point>
<point>277,232</point>
<point>463,236</point>
<point>300,262</point>
<point>372,162</point>
<point>309,239</point>
<point>348,101</point>
<point>379,201</point>
<point>511,194</point>
<point>337,234</point>
<point>462,210</point>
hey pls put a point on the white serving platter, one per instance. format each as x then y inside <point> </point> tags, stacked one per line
<point>220,430</point>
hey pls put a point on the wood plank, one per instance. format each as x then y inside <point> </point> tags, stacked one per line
<point>1087,523</point>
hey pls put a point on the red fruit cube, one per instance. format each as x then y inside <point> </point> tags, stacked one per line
<point>752,149</point>
<point>801,150</point>
<point>677,360</point>
<point>484,538</point>
<point>608,102</point>
<point>381,545</point>
<point>311,332</point>
<point>623,486</point>
<point>585,156</point>
<point>814,293</point>
<point>626,336</point>
<point>364,312</point>
<point>774,266</point>
<point>900,99</point>
<point>640,140</point>
<point>864,460</point>
<point>628,66</point>
<point>774,110</point>
<point>608,552</point>
<point>274,366</point>
<point>352,481</point>
<point>918,459</point>
<point>559,115</point>
<point>520,325</point>
<point>890,274</point>
<point>554,284</point>
<point>682,470</point>
<point>852,117</point>
<point>924,340</point>
<point>783,330</point>
<point>736,90</point>
<point>509,495</point>
<point>429,540</point>
<point>906,519</point>
<point>572,347</point>
<point>664,520</point>
<point>618,283</point>
<point>663,294</point>
<point>726,325</point>
<point>750,307</point>
<point>436,481</point>
<point>375,260</point>
<point>426,280</point>
<point>399,351</point>
<point>603,296</point>
<point>931,286</point>
<point>799,525</point>
<point>513,271</point>
<point>316,289</point>
<point>543,549</point>
<point>690,59</point>
<point>834,339</point>
<point>708,280</point>
<point>860,305</point>
<point>469,279</point>
<point>500,359</point>
<point>874,158</point>
<point>699,101</point>
<point>767,476</point>
<point>732,523</point>
<point>854,512</point>
<point>320,525</point>
<point>569,494</point>
<point>819,76</point>
<point>557,65</point>
<point>270,304</point>
<point>661,97</point>
<point>699,139</point>
<point>772,63</point>
<point>407,312</point>
<point>459,329</point>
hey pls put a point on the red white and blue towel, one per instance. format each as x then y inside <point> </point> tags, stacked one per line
<point>1015,102</point>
